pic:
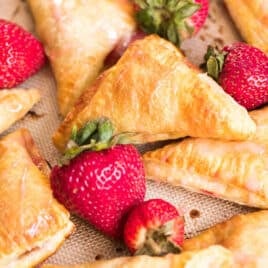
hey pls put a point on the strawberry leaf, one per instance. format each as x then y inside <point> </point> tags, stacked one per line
<point>167,18</point>
<point>95,135</point>
<point>187,10</point>
<point>85,133</point>
<point>158,241</point>
<point>214,61</point>
<point>105,130</point>
<point>172,33</point>
<point>213,68</point>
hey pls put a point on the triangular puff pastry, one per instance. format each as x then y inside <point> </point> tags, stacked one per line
<point>251,19</point>
<point>78,35</point>
<point>155,92</point>
<point>244,235</point>
<point>212,257</point>
<point>14,104</point>
<point>235,171</point>
<point>32,223</point>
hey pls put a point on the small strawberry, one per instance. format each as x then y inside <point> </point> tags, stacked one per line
<point>242,71</point>
<point>101,180</point>
<point>21,54</point>
<point>174,20</point>
<point>154,227</point>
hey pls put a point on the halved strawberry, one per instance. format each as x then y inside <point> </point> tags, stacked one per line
<point>154,227</point>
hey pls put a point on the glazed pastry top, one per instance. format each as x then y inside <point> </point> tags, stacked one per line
<point>29,213</point>
<point>154,92</point>
<point>78,35</point>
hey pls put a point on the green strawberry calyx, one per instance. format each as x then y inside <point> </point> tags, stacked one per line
<point>167,18</point>
<point>158,241</point>
<point>214,61</point>
<point>95,135</point>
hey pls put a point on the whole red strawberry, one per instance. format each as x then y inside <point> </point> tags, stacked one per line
<point>154,227</point>
<point>102,185</point>
<point>21,54</point>
<point>242,71</point>
<point>174,20</point>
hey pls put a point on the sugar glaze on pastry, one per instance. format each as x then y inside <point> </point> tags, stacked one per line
<point>235,171</point>
<point>155,92</point>
<point>78,35</point>
<point>32,223</point>
<point>14,104</point>
<point>244,235</point>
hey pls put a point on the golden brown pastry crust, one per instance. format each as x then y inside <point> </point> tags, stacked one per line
<point>235,171</point>
<point>14,104</point>
<point>244,235</point>
<point>240,242</point>
<point>213,257</point>
<point>32,223</point>
<point>78,35</point>
<point>260,118</point>
<point>155,92</point>
<point>251,19</point>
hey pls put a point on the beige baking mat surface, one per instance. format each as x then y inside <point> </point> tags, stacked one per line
<point>86,244</point>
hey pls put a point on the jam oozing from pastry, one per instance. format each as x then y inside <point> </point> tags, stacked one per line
<point>121,46</point>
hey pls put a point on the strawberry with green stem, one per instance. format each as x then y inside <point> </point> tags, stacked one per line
<point>101,178</point>
<point>242,71</point>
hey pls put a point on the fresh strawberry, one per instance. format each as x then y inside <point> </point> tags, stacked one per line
<point>21,54</point>
<point>174,20</point>
<point>154,227</point>
<point>197,20</point>
<point>98,183</point>
<point>242,71</point>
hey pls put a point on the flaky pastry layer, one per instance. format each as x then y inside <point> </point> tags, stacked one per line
<point>156,94</point>
<point>32,223</point>
<point>78,35</point>
<point>14,104</point>
<point>251,19</point>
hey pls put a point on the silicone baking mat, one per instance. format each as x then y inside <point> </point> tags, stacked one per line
<point>86,244</point>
